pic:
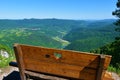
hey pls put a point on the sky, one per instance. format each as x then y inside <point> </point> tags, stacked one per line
<point>61,9</point>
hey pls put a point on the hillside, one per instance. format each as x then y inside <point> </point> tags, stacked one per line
<point>94,35</point>
<point>57,33</point>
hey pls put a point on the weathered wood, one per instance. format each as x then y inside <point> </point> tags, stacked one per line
<point>19,58</point>
<point>100,71</point>
<point>69,57</point>
<point>64,63</point>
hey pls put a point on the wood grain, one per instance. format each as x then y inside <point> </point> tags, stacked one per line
<point>73,64</point>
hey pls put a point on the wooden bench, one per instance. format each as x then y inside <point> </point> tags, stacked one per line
<point>63,63</point>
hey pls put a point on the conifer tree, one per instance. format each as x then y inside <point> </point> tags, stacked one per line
<point>117,14</point>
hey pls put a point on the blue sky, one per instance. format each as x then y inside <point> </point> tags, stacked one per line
<point>62,9</point>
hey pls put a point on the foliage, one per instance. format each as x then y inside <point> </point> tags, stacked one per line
<point>4,61</point>
<point>114,69</point>
<point>117,14</point>
<point>111,49</point>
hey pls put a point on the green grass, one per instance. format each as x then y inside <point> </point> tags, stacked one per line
<point>63,42</point>
<point>113,69</point>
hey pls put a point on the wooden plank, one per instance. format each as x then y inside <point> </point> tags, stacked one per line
<point>53,68</point>
<point>65,70</point>
<point>19,58</point>
<point>69,57</point>
<point>88,74</point>
<point>84,75</point>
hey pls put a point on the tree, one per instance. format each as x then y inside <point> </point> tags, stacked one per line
<point>117,14</point>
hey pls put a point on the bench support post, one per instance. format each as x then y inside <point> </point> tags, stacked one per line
<point>19,59</point>
<point>101,67</point>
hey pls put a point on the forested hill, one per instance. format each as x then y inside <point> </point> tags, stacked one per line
<point>82,35</point>
<point>93,36</point>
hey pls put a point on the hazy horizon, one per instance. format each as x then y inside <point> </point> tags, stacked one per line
<point>57,19</point>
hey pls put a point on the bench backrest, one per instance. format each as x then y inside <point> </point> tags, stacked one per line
<point>66,63</point>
